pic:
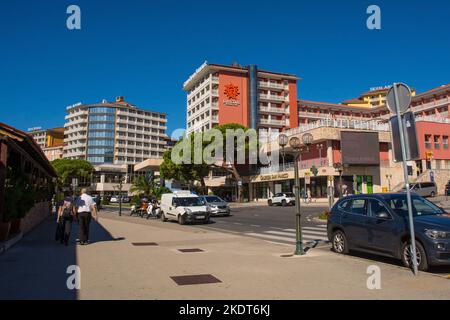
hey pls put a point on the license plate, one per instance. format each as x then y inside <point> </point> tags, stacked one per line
<point>200,217</point>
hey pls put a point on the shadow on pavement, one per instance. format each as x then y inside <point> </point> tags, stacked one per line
<point>35,268</point>
<point>439,270</point>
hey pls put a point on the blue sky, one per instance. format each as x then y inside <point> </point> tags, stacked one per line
<point>145,50</point>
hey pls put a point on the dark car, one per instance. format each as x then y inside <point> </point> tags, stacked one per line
<point>379,223</point>
<point>126,199</point>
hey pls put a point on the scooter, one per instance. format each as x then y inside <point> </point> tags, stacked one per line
<point>153,211</point>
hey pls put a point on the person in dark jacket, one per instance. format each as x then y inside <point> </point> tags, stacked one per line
<point>66,213</point>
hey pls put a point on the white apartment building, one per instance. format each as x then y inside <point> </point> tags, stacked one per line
<point>114,133</point>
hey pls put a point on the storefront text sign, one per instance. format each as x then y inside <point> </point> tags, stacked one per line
<point>274,177</point>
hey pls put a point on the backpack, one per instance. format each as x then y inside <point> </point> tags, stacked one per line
<point>67,211</point>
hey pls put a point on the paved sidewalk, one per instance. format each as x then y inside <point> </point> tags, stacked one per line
<point>113,268</point>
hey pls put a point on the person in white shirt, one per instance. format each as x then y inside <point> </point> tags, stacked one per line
<point>86,209</point>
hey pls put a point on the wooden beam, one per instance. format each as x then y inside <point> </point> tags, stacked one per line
<point>3,162</point>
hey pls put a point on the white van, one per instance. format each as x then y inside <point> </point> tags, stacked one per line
<point>184,207</point>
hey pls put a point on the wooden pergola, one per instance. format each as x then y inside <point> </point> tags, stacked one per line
<point>19,151</point>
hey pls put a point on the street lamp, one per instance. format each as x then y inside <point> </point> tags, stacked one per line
<point>340,168</point>
<point>295,143</point>
<point>320,147</point>
<point>389,177</point>
<point>283,141</point>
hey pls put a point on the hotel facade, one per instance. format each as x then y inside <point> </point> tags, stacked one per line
<point>114,137</point>
<point>219,94</point>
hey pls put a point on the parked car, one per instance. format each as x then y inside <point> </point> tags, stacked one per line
<point>184,207</point>
<point>283,199</point>
<point>379,223</point>
<point>424,189</point>
<point>447,188</point>
<point>126,199</point>
<point>218,205</point>
<point>114,199</point>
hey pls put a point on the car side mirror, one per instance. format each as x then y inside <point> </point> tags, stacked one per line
<point>383,215</point>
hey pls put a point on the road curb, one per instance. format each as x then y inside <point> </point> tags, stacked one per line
<point>10,243</point>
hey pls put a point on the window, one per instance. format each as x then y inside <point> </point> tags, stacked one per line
<point>345,205</point>
<point>359,207</point>
<point>445,142</point>
<point>376,207</point>
<point>437,142</point>
<point>427,141</point>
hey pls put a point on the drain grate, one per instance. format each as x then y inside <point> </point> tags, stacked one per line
<point>195,279</point>
<point>143,244</point>
<point>190,250</point>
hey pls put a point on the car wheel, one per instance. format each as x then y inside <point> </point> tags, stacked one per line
<point>269,203</point>
<point>283,203</point>
<point>163,217</point>
<point>339,242</point>
<point>422,262</point>
<point>181,220</point>
<point>432,194</point>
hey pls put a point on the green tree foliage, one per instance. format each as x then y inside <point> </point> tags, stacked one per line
<point>197,172</point>
<point>68,169</point>
<point>146,185</point>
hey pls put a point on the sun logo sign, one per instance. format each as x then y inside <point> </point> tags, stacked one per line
<point>231,92</point>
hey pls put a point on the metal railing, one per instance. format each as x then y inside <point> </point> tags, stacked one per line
<point>289,166</point>
<point>371,125</point>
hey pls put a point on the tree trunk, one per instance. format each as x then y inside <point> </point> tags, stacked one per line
<point>237,177</point>
<point>203,184</point>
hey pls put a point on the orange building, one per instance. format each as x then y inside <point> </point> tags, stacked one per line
<point>219,94</point>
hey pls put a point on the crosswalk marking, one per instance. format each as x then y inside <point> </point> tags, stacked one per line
<point>317,233</point>
<point>316,236</point>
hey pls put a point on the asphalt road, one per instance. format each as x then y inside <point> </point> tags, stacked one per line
<point>274,224</point>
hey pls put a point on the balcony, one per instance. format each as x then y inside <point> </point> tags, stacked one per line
<point>431,105</point>
<point>215,92</point>
<point>215,79</point>
<point>215,119</point>
<point>271,85</point>
<point>272,97</point>
<point>272,122</point>
<point>272,110</point>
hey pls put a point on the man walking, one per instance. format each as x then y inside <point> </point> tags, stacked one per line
<point>86,209</point>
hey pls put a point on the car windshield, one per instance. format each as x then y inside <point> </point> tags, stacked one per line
<point>420,206</point>
<point>188,202</point>
<point>213,199</point>
<point>289,194</point>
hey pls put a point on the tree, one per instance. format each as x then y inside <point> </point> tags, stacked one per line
<point>143,185</point>
<point>186,172</point>
<point>68,169</point>
<point>198,171</point>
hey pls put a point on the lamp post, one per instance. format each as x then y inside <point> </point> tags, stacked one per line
<point>320,147</point>
<point>295,144</point>
<point>340,168</point>
<point>283,141</point>
<point>389,177</point>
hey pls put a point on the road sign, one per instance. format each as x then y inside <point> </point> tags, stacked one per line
<point>307,180</point>
<point>404,98</point>
<point>399,99</point>
<point>410,135</point>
